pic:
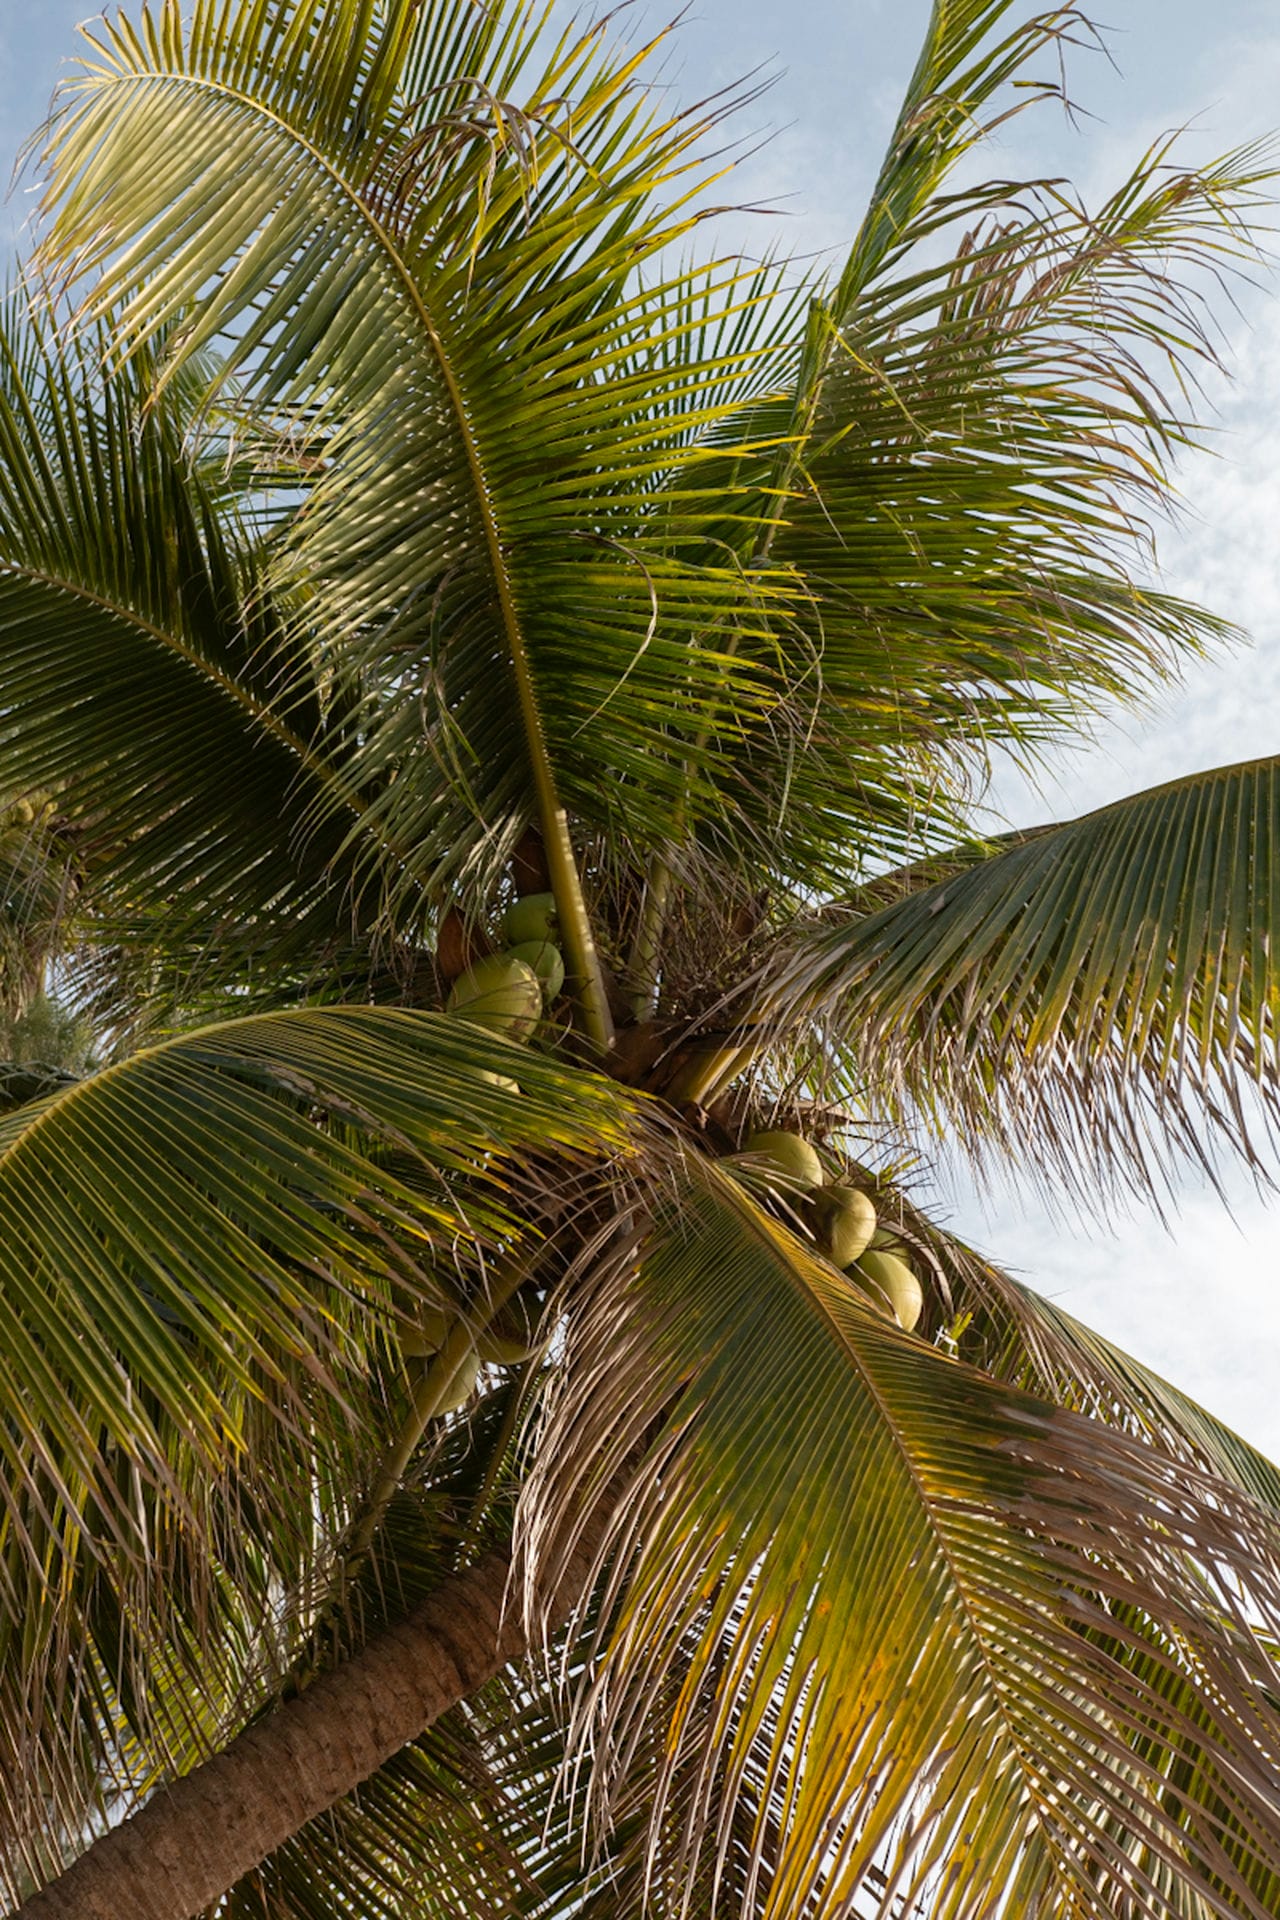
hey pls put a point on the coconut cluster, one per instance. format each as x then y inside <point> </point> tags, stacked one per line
<point>845,1222</point>
<point>506,991</point>
<point>510,1338</point>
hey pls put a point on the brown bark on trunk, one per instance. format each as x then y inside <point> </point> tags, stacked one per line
<point>194,1839</point>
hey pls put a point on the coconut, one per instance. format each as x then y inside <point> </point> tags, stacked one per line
<point>884,1238</point>
<point>529,863</point>
<point>530,918</point>
<point>546,961</point>
<point>463,1383</point>
<point>500,993</point>
<point>848,1220</point>
<point>427,1337</point>
<point>459,944</point>
<point>894,1279</point>
<point>791,1155</point>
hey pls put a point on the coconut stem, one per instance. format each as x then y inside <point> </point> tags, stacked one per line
<point>648,947</point>
<point>584,970</point>
<point>701,1079</point>
<point>586,978</point>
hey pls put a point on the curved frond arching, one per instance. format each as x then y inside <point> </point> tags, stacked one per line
<point>147,688</point>
<point>208,1254</point>
<point>896,1594</point>
<point>1083,999</point>
<point>447,282</point>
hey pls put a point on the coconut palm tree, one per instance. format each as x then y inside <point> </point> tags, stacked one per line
<point>451,1462</point>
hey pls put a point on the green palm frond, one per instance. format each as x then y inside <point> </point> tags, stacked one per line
<point>149,698</point>
<point>972,438</point>
<point>955,99</point>
<point>895,1580</point>
<point>573,1873</point>
<point>606,531</point>
<point>973,508</point>
<point>436,1824</point>
<point>447,280</point>
<point>210,1252</point>
<point>1087,999</point>
<point>1175,1773</point>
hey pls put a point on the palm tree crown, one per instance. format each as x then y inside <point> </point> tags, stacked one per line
<point>496,700</point>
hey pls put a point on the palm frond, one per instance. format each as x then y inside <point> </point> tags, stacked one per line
<point>607,532</point>
<point>958,94</point>
<point>969,447</point>
<point>447,283</point>
<point>898,1576</point>
<point>1093,1000</point>
<point>153,715</point>
<point>209,1253</point>
<point>1007,1329</point>
<point>989,458</point>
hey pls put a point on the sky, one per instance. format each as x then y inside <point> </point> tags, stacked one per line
<point>1200,1299</point>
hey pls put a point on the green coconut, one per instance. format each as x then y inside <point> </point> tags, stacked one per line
<point>847,1220</point>
<point>886,1240</point>
<point>499,993</point>
<point>547,962</point>
<point>791,1155</point>
<point>427,1336</point>
<point>463,1383</point>
<point>893,1278</point>
<point>533,917</point>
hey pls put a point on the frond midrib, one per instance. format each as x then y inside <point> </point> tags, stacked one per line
<point>186,1041</point>
<point>814,1300</point>
<point>381,235</point>
<point>575,920</point>
<point>263,715</point>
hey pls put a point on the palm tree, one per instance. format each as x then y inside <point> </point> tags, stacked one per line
<point>450,1463</point>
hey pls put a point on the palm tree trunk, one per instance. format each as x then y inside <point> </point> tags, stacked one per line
<point>197,1837</point>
